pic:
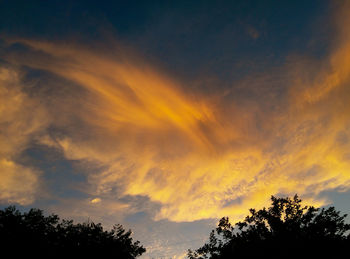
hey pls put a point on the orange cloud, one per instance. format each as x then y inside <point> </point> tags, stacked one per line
<point>200,156</point>
<point>21,120</point>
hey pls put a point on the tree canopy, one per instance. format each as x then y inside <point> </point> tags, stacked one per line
<point>285,229</point>
<point>33,233</point>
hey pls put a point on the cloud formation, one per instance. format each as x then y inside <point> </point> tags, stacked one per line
<point>21,120</point>
<point>198,156</point>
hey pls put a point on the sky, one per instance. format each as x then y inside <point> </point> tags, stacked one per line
<point>165,116</point>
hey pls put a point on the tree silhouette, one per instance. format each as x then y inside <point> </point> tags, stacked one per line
<point>286,229</point>
<point>33,234</point>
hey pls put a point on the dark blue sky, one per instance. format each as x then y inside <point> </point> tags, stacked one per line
<point>188,37</point>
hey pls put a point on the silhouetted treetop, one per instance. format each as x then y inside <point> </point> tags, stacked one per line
<point>285,229</point>
<point>32,233</point>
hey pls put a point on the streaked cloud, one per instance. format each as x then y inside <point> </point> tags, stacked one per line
<point>197,155</point>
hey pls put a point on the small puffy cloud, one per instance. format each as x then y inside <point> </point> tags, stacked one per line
<point>95,200</point>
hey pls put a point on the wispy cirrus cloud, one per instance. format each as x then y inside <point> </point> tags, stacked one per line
<point>197,155</point>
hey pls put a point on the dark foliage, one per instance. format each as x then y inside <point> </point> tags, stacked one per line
<point>285,230</point>
<point>33,234</point>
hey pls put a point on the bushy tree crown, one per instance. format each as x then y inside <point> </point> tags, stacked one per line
<point>285,229</point>
<point>33,234</point>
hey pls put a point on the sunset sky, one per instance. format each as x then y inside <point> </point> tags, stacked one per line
<point>165,116</point>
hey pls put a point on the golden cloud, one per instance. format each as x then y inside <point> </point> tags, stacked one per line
<point>21,120</point>
<point>200,156</point>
